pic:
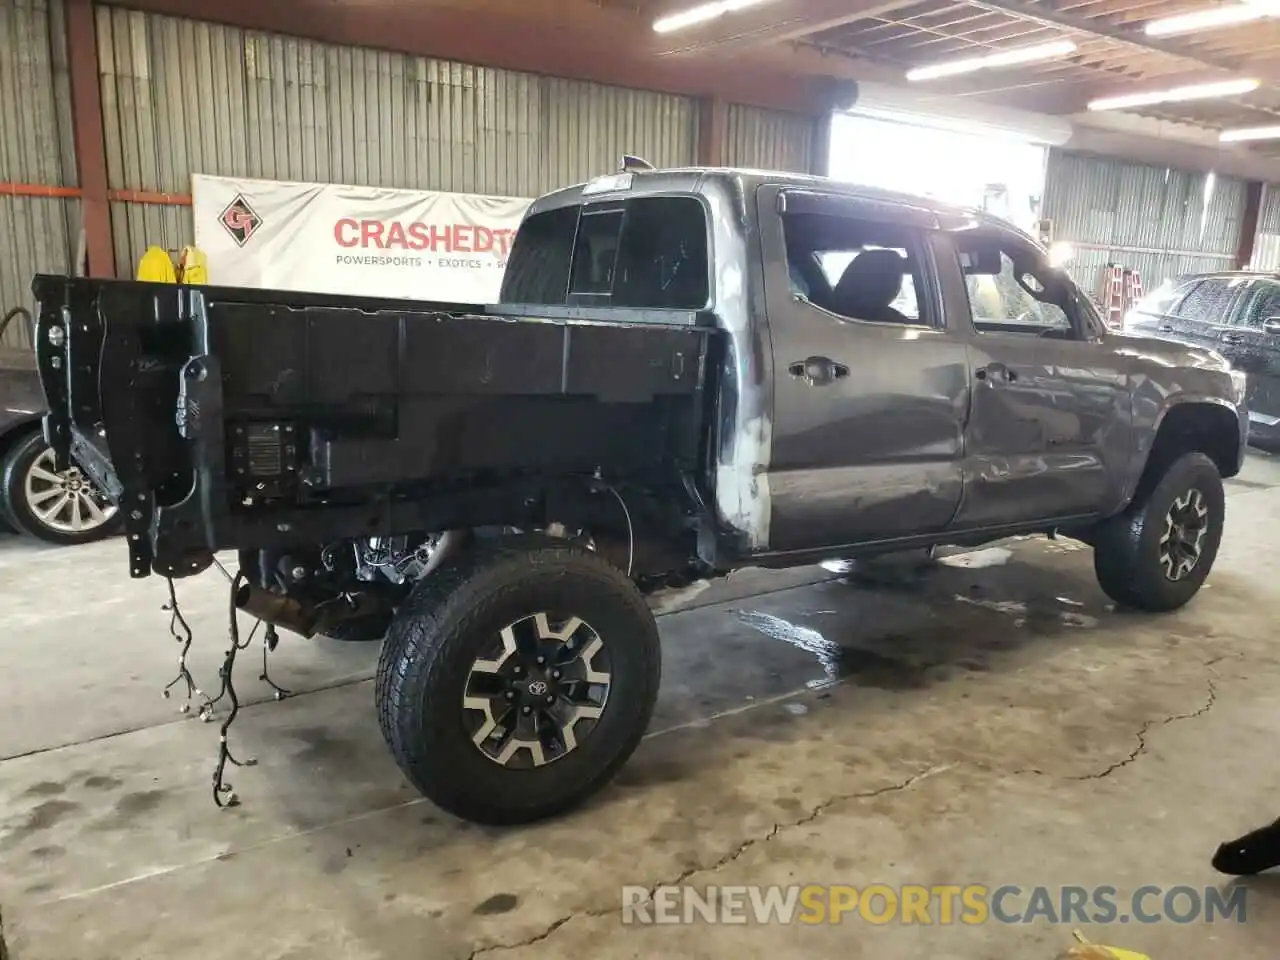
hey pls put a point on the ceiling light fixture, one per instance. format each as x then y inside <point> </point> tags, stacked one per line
<point>1250,133</point>
<point>1200,91</point>
<point>1002,58</point>
<point>1213,18</point>
<point>702,13</point>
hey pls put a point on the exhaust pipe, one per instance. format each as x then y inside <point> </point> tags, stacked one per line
<point>279,610</point>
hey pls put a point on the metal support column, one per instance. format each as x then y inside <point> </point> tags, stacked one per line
<point>713,131</point>
<point>91,157</point>
<point>1249,222</point>
<point>820,159</point>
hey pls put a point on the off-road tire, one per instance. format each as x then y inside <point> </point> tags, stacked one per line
<point>1126,555</point>
<point>19,514</point>
<point>433,642</point>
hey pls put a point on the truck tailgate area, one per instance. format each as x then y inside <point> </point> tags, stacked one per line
<point>245,415</point>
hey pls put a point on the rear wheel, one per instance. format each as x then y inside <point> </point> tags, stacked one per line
<point>1156,555</point>
<point>57,506</point>
<point>517,679</point>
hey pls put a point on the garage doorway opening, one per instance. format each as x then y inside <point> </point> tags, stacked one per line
<point>1000,173</point>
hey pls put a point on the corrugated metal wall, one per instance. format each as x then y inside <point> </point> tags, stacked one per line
<point>37,234</point>
<point>292,109</point>
<point>1266,246</point>
<point>770,140</point>
<point>1158,221</point>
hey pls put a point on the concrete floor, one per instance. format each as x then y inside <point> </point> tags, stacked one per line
<point>988,720</point>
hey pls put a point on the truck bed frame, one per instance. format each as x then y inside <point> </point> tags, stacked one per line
<point>234,418</point>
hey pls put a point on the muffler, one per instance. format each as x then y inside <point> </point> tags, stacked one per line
<point>279,610</point>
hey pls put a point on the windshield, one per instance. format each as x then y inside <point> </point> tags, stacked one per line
<point>648,252</point>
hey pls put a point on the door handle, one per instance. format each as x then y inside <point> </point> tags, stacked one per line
<point>818,371</point>
<point>1232,337</point>
<point>1165,328</point>
<point>996,373</point>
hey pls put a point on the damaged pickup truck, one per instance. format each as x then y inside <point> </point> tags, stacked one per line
<point>690,371</point>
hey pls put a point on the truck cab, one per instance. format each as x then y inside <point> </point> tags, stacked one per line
<point>894,370</point>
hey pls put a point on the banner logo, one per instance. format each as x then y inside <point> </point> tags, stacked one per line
<point>240,220</point>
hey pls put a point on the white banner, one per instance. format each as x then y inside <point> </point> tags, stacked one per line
<point>370,241</point>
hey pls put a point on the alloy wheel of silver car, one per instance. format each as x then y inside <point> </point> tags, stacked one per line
<point>66,500</point>
<point>1185,527</point>
<point>536,693</point>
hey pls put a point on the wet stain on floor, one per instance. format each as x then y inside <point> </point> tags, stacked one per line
<point>498,903</point>
<point>47,788</point>
<point>322,746</point>
<point>130,809</point>
<point>829,655</point>
<point>909,622</point>
<point>101,782</point>
<point>43,817</point>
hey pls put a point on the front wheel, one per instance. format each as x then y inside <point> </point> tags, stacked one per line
<point>56,506</point>
<point>1156,555</point>
<point>517,679</point>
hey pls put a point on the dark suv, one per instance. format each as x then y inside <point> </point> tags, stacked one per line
<point>1236,314</point>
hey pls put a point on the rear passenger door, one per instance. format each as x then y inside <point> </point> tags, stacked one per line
<point>1252,343</point>
<point>870,386</point>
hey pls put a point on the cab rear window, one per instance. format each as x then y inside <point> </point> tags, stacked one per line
<point>1210,302</point>
<point>648,252</point>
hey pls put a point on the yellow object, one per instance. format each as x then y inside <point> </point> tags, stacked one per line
<point>156,266</point>
<point>193,266</point>
<point>1091,951</point>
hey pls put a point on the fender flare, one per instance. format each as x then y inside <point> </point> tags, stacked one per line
<point>1143,455</point>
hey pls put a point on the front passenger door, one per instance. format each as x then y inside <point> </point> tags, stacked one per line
<point>1048,431</point>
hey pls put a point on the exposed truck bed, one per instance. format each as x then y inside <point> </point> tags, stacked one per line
<point>234,418</point>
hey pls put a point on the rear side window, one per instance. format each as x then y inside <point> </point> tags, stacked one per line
<point>1265,304</point>
<point>863,270</point>
<point>1164,298</point>
<point>538,267</point>
<point>649,252</point>
<point>1210,302</point>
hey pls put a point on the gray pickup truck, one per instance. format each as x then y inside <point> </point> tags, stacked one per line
<point>689,371</point>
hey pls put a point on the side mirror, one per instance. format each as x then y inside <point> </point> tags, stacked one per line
<point>1271,325</point>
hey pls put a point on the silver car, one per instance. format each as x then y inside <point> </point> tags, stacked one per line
<point>60,507</point>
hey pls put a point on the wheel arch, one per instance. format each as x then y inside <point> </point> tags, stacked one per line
<point>16,432</point>
<point>1208,425</point>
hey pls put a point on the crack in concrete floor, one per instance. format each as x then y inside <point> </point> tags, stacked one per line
<point>823,807</point>
<point>1140,749</point>
<point>724,861</point>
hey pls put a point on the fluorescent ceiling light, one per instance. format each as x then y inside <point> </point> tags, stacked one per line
<point>1213,18</point>
<point>1003,58</point>
<point>701,14</point>
<point>1250,133</point>
<point>1200,91</point>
